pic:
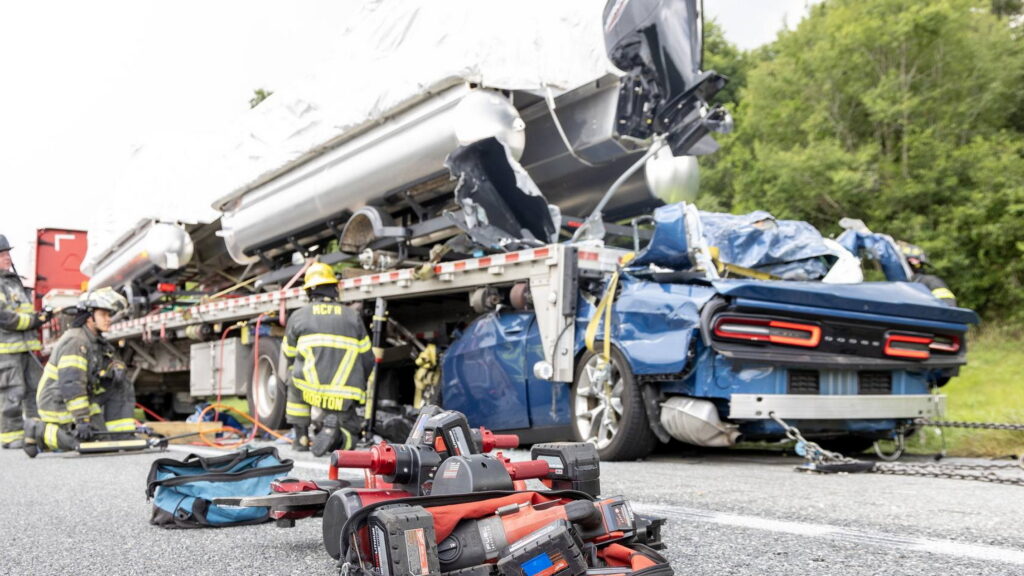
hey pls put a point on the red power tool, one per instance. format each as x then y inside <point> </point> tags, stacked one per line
<point>408,468</point>
<point>481,541</point>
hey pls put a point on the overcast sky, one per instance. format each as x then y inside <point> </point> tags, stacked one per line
<point>83,84</point>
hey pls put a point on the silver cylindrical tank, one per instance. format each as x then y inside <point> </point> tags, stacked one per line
<point>161,245</point>
<point>402,151</point>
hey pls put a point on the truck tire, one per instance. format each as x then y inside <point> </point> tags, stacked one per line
<point>267,392</point>
<point>616,423</point>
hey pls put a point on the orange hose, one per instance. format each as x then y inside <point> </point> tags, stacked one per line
<point>213,443</point>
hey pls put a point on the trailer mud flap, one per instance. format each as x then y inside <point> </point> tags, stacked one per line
<point>502,208</point>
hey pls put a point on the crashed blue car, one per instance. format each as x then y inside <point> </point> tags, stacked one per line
<point>707,341</point>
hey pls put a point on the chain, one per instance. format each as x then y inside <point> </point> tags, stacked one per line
<point>994,473</point>
<point>975,425</point>
<point>814,453</point>
<point>820,460</point>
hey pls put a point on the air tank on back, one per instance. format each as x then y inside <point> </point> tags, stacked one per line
<point>157,245</point>
<point>406,150</point>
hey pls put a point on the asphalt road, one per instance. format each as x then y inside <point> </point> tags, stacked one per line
<point>727,514</point>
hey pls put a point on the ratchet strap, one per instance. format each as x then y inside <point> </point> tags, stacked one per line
<point>604,311</point>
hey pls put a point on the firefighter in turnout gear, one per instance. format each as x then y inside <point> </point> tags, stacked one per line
<point>84,388</point>
<point>19,338</point>
<point>330,351</point>
<point>918,261</point>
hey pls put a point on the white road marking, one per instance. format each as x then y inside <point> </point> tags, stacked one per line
<point>869,537</point>
<point>827,531</point>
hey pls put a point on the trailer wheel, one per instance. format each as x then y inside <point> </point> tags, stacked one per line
<point>609,411</point>
<point>270,389</point>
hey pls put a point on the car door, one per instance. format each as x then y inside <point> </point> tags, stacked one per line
<point>484,372</point>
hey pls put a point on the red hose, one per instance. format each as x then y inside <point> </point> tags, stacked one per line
<point>255,378</point>
<point>150,413</point>
<point>220,367</point>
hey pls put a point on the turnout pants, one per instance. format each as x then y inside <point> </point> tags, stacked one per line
<point>116,407</point>
<point>298,413</point>
<point>111,409</point>
<point>19,376</point>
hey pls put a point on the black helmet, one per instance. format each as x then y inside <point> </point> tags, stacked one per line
<point>914,254</point>
<point>4,244</point>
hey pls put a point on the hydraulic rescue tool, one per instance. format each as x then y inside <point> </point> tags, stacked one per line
<point>480,541</point>
<point>435,435</point>
<point>106,442</point>
<point>523,533</point>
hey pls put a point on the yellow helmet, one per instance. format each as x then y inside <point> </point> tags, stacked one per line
<point>319,274</point>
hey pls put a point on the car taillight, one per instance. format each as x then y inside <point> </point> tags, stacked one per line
<point>770,331</point>
<point>907,346</point>
<point>950,344</point>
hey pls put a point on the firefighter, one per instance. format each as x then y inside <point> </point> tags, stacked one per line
<point>19,368</point>
<point>332,360</point>
<point>84,388</point>
<point>918,262</point>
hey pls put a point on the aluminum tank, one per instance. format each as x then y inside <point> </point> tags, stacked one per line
<point>405,150</point>
<point>158,245</point>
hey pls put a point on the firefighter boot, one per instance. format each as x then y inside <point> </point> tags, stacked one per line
<point>33,434</point>
<point>328,437</point>
<point>301,441</point>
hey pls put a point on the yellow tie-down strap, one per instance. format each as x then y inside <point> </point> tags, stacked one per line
<point>603,313</point>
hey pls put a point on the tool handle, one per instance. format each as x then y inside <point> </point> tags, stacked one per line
<point>527,469</point>
<point>489,440</point>
<point>352,459</point>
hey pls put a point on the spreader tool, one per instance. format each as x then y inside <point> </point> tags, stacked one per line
<point>110,442</point>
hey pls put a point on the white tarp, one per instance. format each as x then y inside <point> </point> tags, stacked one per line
<point>388,54</point>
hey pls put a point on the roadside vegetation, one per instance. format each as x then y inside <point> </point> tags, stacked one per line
<point>989,389</point>
<point>908,115</point>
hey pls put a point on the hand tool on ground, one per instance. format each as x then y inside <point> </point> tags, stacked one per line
<point>481,541</point>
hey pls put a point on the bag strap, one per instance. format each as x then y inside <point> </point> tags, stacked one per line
<point>212,465</point>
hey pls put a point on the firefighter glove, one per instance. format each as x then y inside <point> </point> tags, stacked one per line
<point>37,321</point>
<point>83,431</point>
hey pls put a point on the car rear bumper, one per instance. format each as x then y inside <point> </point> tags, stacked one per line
<point>836,407</point>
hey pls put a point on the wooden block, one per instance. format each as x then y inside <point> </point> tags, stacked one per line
<point>179,428</point>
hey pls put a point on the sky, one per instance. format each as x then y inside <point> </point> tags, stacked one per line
<point>84,84</point>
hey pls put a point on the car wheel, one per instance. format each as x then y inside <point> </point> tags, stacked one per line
<point>608,409</point>
<point>267,393</point>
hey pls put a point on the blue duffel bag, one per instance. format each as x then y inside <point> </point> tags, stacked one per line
<point>182,490</point>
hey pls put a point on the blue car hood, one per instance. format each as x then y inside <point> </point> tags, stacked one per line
<point>903,299</point>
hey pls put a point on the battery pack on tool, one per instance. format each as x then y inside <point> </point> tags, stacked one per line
<point>402,541</point>
<point>574,465</point>
<point>452,429</point>
<point>554,550</point>
<point>342,505</point>
<point>617,521</point>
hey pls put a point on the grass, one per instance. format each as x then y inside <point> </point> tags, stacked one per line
<point>989,389</point>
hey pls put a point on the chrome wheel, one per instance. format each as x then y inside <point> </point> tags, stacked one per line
<point>266,388</point>
<point>598,401</point>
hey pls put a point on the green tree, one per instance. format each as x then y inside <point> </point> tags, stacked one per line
<point>906,114</point>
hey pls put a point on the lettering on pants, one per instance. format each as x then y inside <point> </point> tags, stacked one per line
<point>324,402</point>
